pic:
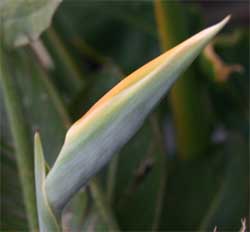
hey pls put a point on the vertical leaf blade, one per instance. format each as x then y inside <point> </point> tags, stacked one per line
<point>47,220</point>
<point>19,133</point>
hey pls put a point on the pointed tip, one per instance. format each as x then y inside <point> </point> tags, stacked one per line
<point>228,17</point>
<point>218,26</point>
<point>37,135</point>
<point>207,34</point>
<point>224,21</point>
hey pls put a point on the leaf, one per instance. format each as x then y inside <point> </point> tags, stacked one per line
<point>66,73</point>
<point>124,26</point>
<point>102,205</point>
<point>142,164</point>
<point>76,212</point>
<point>210,191</point>
<point>189,190</point>
<point>230,203</point>
<point>4,127</point>
<point>37,94</point>
<point>134,154</point>
<point>94,223</point>
<point>12,207</point>
<point>138,156</point>
<point>113,120</point>
<point>43,110</point>
<point>19,132</point>
<point>23,21</point>
<point>47,220</point>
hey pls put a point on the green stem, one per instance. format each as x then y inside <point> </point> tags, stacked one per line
<point>154,121</point>
<point>64,55</point>
<point>111,177</point>
<point>55,97</point>
<point>24,153</point>
<point>70,73</point>
<point>89,51</point>
<point>79,208</point>
<point>102,205</point>
<point>192,129</point>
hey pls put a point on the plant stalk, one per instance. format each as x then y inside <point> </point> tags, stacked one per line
<point>102,205</point>
<point>154,121</point>
<point>62,53</point>
<point>111,178</point>
<point>20,134</point>
<point>192,131</point>
<point>69,75</point>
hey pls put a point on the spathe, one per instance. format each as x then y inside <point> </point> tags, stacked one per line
<point>116,117</point>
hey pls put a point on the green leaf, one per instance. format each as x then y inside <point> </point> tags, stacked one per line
<point>36,86</point>
<point>91,142</point>
<point>94,223</point>
<point>131,160</point>
<point>210,191</point>
<point>37,94</point>
<point>142,164</point>
<point>19,132</point>
<point>11,205</point>
<point>132,22</point>
<point>77,209</point>
<point>190,188</point>
<point>102,205</point>
<point>230,203</point>
<point>66,74</point>
<point>23,21</point>
<point>47,220</point>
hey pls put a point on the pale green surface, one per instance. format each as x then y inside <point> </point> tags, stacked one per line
<point>47,220</point>
<point>25,20</point>
<point>89,147</point>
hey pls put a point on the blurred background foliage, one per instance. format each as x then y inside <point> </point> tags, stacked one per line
<point>156,182</point>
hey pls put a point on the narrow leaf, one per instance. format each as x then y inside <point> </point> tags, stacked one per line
<point>47,220</point>
<point>116,117</point>
<point>11,206</point>
<point>19,132</point>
